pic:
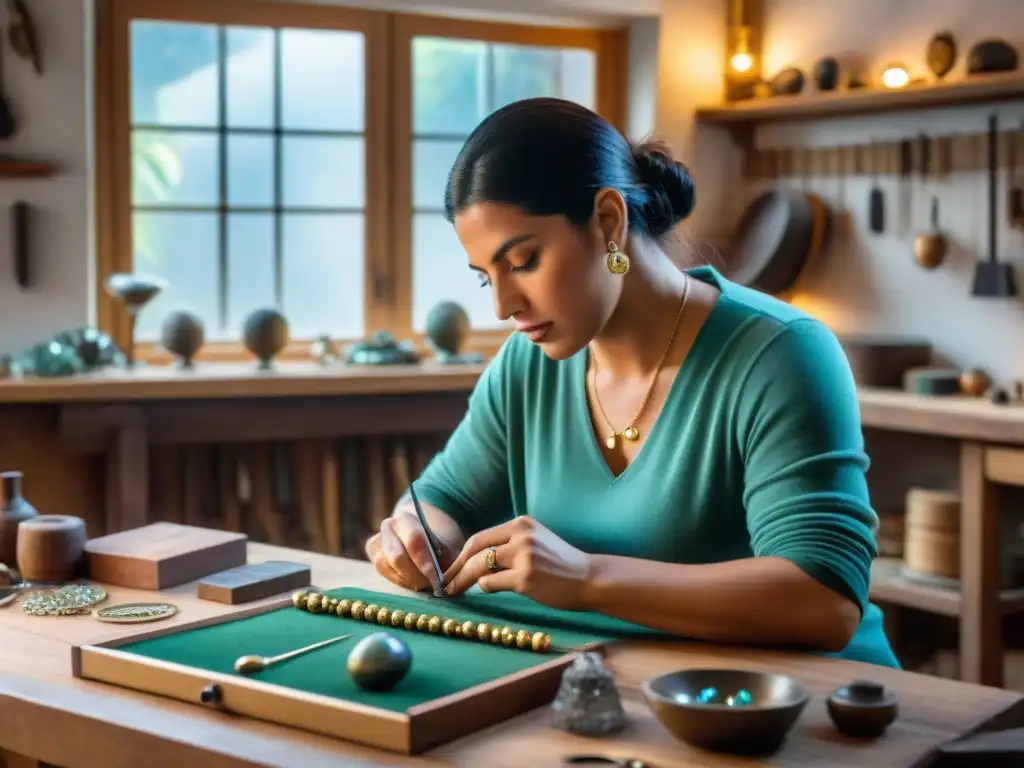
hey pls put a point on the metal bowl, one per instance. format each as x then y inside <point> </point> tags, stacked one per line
<point>758,727</point>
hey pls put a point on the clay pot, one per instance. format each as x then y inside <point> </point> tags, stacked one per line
<point>13,511</point>
<point>51,548</point>
<point>826,74</point>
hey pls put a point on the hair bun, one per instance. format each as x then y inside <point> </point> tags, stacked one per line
<point>670,190</point>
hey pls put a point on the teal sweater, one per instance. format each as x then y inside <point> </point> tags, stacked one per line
<point>757,451</point>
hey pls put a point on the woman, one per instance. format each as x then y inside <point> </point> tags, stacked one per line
<point>653,444</point>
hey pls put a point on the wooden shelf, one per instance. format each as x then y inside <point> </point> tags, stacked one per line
<point>12,168</point>
<point>889,586</point>
<point>957,417</point>
<point>744,116</point>
<point>240,380</point>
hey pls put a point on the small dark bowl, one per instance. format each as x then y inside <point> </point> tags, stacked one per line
<point>759,727</point>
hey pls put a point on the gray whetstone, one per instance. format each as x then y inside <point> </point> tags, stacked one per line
<point>253,582</point>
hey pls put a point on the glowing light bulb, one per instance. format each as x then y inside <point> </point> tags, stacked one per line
<point>742,62</point>
<point>895,76</point>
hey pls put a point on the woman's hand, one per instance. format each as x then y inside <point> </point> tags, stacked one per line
<point>528,559</point>
<point>401,555</point>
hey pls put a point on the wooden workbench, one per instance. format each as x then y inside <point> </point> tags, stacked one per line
<point>130,419</point>
<point>48,715</point>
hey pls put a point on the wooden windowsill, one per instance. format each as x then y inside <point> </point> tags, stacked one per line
<point>486,343</point>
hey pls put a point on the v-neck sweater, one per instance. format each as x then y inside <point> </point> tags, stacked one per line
<point>756,452</point>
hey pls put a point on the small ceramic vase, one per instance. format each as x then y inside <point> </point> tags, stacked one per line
<point>13,510</point>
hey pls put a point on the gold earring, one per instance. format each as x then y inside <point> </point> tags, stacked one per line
<point>618,262</point>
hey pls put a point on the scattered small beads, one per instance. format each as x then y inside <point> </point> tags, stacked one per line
<point>707,696</point>
<point>741,698</point>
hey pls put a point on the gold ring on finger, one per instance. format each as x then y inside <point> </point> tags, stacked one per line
<point>492,558</point>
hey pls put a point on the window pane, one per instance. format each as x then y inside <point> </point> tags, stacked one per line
<point>323,172</point>
<point>579,76</point>
<point>449,85</point>
<point>250,170</point>
<point>174,168</point>
<point>522,72</point>
<point>181,248</point>
<point>250,267</point>
<point>450,97</point>
<point>323,73</point>
<point>174,73</point>
<point>250,77</point>
<point>431,161</point>
<point>323,274</point>
<point>441,273</point>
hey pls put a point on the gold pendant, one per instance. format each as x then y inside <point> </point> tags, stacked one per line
<point>610,442</point>
<point>631,434</point>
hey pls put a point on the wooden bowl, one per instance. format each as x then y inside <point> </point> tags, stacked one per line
<point>51,548</point>
<point>759,727</point>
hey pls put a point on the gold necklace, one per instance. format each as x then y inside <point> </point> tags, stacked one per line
<point>631,433</point>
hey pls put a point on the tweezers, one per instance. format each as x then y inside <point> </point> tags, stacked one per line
<point>432,545</point>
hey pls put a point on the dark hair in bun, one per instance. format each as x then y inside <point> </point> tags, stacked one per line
<point>670,192</point>
<point>549,157</point>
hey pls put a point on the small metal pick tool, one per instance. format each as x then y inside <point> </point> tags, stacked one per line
<point>432,545</point>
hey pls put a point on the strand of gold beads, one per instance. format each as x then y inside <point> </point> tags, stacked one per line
<point>523,639</point>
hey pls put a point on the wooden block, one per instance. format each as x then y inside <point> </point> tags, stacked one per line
<point>163,555</point>
<point>253,582</point>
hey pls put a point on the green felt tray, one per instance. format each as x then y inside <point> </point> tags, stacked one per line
<point>441,665</point>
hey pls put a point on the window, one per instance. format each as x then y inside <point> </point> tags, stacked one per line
<point>288,155</point>
<point>247,173</point>
<point>455,85</point>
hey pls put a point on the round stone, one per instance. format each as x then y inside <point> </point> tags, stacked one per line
<point>379,662</point>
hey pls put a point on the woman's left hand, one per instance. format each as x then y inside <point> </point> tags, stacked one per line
<point>528,559</point>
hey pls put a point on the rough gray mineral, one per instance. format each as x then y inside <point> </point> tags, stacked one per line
<point>588,702</point>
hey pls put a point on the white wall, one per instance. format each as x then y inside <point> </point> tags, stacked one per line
<point>53,126</point>
<point>691,52</point>
<point>642,79</point>
<point>871,282</point>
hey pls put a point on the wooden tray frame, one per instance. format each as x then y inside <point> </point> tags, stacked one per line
<point>417,729</point>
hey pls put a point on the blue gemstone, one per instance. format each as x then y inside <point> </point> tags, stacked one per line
<point>707,696</point>
<point>740,699</point>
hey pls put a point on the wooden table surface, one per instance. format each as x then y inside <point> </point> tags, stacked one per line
<point>51,716</point>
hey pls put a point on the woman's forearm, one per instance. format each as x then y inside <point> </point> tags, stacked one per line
<point>764,600</point>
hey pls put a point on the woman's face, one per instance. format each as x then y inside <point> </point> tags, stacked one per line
<point>548,276</point>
